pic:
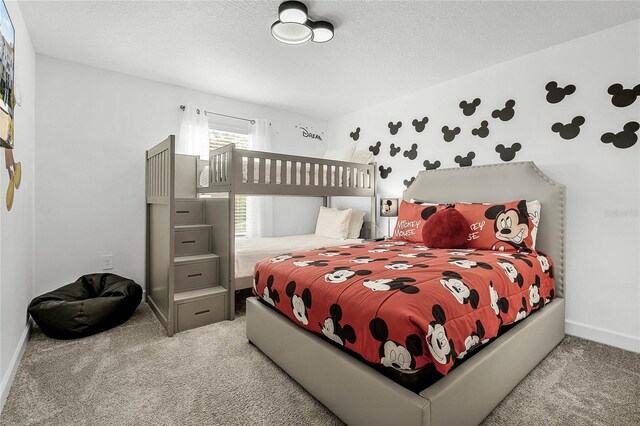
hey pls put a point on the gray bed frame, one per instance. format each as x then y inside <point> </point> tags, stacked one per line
<point>360,395</point>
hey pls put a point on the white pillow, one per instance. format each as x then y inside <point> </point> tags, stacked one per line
<point>333,223</point>
<point>361,156</point>
<point>534,209</point>
<point>355,224</point>
<point>343,154</point>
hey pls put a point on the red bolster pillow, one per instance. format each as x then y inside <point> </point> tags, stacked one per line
<point>446,229</point>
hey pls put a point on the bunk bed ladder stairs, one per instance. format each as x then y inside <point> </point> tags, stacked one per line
<point>199,299</point>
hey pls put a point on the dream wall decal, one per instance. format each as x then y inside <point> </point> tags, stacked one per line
<point>309,132</point>
<point>622,97</point>
<point>569,130</point>
<point>506,113</point>
<point>624,139</point>
<point>556,94</point>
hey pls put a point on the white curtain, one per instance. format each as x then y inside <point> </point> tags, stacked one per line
<point>260,209</point>
<point>193,135</point>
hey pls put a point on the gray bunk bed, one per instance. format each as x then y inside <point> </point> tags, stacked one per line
<point>190,245</point>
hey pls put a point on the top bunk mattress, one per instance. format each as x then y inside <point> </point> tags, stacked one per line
<point>402,305</point>
<point>250,251</point>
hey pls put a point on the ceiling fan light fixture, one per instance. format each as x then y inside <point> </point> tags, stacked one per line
<point>322,31</point>
<point>293,12</point>
<point>291,32</point>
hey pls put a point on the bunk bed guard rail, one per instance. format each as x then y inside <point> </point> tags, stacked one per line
<point>159,170</point>
<point>257,172</point>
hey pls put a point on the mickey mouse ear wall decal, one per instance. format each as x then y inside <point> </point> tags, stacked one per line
<point>295,27</point>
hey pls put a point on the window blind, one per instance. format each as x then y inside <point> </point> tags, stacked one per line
<point>219,138</point>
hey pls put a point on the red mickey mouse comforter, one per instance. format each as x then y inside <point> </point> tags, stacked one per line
<point>404,305</point>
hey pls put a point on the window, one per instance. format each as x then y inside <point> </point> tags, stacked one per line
<point>220,138</point>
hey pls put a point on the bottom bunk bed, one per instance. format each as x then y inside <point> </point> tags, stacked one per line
<point>249,251</point>
<point>392,305</point>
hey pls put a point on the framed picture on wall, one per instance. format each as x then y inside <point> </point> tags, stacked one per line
<point>7,95</point>
<point>388,207</point>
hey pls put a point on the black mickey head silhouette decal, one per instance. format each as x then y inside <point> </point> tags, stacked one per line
<point>465,161</point>
<point>420,124</point>
<point>450,135</point>
<point>384,172</point>
<point>408,183</point>
<point>393,150</point>
<point>508,154</point>
<point>556,94</point>
<point>468,108</point>
<point>412,154</point>
<point>622,97</point>
<point>355,135</point>
<point>506,113</point>
<point>624,139</point>
<point>482,131</point>
<point>393,128</point>
<point>375,149</point>
<point>428,165</point>
<point>569,130</point>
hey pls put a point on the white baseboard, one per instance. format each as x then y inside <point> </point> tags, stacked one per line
<point>7,380</point>
<point>603,335</point>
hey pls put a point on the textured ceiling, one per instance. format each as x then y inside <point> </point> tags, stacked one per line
<point>382,49</point>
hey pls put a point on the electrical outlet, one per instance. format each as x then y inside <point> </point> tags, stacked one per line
<point>107,262</point>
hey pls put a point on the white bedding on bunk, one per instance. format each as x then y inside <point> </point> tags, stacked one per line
<point>250,251</point>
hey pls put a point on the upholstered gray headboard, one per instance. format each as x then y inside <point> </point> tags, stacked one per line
<point>497,183</point>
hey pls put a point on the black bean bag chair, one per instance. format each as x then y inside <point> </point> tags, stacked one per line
<point>92,304</point>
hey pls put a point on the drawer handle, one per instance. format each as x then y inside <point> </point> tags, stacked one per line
<point>194,275</point>
<point>202,312</point>
<point>182,211</point>
<point>189,242</point>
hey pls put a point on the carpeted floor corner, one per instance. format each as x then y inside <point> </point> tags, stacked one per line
<point>135,375</point>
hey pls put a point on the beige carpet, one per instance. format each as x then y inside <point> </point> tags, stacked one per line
<point>135,375</point>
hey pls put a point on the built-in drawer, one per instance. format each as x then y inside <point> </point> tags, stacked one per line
<point>195,273</point>
<point>189,212</point>
<point>192,240</point>
<point>200,312</point>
